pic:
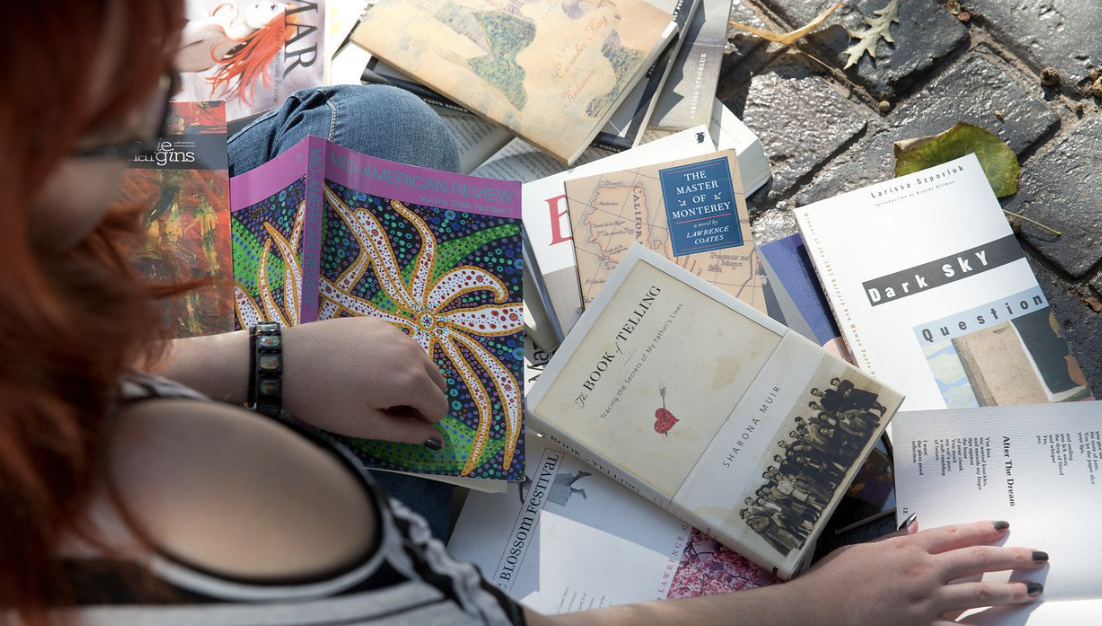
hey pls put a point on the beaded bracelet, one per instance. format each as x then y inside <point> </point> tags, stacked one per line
<point>266,359</point>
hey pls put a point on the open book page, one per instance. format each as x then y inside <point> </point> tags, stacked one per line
<point>1038,467</point>
<point>571,539</point>
<point>222,55</point>
<point>324,232</point>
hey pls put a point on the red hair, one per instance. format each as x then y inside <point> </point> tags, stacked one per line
<point>70,324</point>
<point>239,68</point>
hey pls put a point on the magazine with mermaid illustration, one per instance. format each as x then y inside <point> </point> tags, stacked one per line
<point>251,54</point>
<point>322,232</point>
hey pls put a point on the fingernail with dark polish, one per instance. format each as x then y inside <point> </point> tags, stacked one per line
<point>1001,525</point>
<point>433,443</point>
<point>1040,557</point>
<point>907,522</point>
<point>1034,589</point>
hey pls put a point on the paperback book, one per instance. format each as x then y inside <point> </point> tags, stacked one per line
<point>691,210</point>
<point>685,100</point>
<point>252,55</point>
<point>934,295</point>
<point>322,231</point>
<point>1038,467</point>
<point>569,539</point>
<point>552,73</point>
<point>185,185</point>
<point>707,407</point>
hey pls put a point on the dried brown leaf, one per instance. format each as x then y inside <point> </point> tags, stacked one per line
<point>787,39</point>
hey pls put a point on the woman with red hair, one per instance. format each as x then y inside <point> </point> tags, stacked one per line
<point>122,492</point>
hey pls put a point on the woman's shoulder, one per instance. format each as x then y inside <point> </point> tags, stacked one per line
<point>235,493</point>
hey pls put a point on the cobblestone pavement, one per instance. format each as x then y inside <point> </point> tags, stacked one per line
<point>824,136</point>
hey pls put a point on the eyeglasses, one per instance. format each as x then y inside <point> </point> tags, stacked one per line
<point>153,126</point>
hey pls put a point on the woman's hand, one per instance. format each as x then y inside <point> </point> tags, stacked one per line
<point>914,578</point>
<point>362,377</point>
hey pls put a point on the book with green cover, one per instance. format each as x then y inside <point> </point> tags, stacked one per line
<point>551,72</point>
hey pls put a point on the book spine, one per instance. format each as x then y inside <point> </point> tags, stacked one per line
<point>312,232</point>
<point>586,454</point>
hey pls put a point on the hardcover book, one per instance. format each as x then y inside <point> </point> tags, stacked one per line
<point>321,231</point>
<point>1038,467</point>
<point>251,54</point>
<point>707,407</point>
<point>692,211</point>
<point>185,186</point>
<point>531,540</point>
<point>552,73</point>
<point>934,295</point>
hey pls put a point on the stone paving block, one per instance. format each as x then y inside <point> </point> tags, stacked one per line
<point>801,120</point>
<point>1064,34</point>
<point>925,35</point>
<point>1062,188</point>
<point>1080,324</point>
<point>972,90</point>
<point>739,42</point>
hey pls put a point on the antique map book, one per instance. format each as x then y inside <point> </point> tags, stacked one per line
<point>1038,467</point>
<point>691,210</point>
<point>707,407</point>
<point>551,72</point>
<point>322,231</point>
<point>934,295</point>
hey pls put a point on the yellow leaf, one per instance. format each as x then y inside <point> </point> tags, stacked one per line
<point>787,39</point>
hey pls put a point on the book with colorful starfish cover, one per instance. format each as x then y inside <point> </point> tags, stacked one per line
<point>322,232</point>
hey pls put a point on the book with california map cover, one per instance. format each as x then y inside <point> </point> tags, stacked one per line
<point>707,407</point>
<point>691,211</point>
<point>552,72</point>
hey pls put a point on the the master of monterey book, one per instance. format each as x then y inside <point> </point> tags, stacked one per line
<point>1038,467</point>
<point>707,407</point>
<point>934,295</point>
<point>569,539</point>
<point>551,72</point>
<point>252,55</point>
<point>322,232</point>
<point>691,210</point>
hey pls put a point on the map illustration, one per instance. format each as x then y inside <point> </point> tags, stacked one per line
<point>609,212</point>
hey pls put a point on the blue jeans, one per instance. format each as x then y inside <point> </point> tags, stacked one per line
<point>384,122</point>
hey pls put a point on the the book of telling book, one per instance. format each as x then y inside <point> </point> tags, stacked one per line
<point>321,231</point>
<point>934,295</point>
<point>551,72</point>
<point>710,409</point>
<point>1038,467</point>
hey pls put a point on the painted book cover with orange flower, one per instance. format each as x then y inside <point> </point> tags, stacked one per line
<point>322,232</point>
<point>184,188</point>
<point>252,55</point>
